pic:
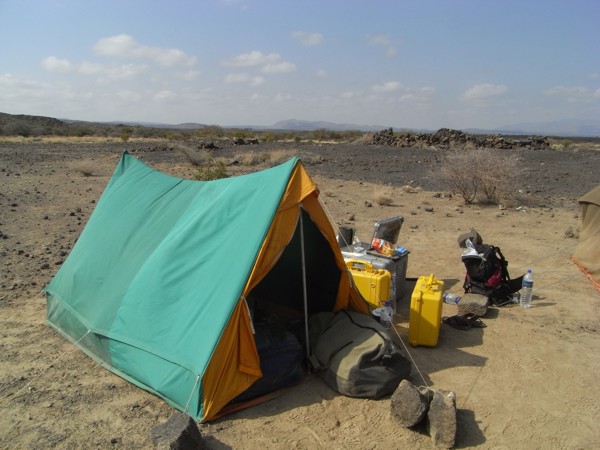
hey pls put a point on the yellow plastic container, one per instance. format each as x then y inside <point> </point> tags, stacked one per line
<point>425,312</point>
<point>373,284</point>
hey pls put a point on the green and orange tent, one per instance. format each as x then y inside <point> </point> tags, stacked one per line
<point>156,288</point>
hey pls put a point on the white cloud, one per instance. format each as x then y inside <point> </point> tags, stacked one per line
<point>244,78</point>
<point>252,59</point>
<point>388,86</point>
<point>384,40</point>
<point>164,95</point>
<point>124,46</point>
<point>308,39</point>
<point>573,94</point>
<point>54,64</point>
<point>14,88</point>
<point>90,68</point>
<point>188,75</point>
<point>105,72</point>
<point>379,39</point>
<point>482,91</point>
<point>321,73</point>
<point>129,96</point>
<point>279,67</point>
<point>266,63</point>
<point>126,71</point>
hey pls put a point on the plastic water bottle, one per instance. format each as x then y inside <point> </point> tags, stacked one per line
<point>451,298</point>
<point>393,286</point>
<point>386,316</point>
<point>527,289</point>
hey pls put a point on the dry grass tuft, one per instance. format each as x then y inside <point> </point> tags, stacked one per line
<point>264,158</point>
<point>86,168</point>
<point>383,196</point>
<point>196,157</point>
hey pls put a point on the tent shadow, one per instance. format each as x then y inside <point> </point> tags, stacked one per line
<point>468,433</point>
<point>449,351</point>
<point>450,283</point>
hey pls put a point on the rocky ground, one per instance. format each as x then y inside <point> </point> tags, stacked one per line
<point>527,380</point>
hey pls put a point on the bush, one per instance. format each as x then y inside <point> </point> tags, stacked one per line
<point>382,196</point>
<point>480,174</point>
<point>213,170</point>
<point>196,157</point>
<point>86,168</point>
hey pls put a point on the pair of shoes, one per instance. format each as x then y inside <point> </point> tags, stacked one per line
<point>465,322</point>
<point>474,320</point>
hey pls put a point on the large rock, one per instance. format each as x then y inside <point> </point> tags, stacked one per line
<point>180,432</point>
<point>408,405</point>
<point>473,303</point>
<point>441,419</point>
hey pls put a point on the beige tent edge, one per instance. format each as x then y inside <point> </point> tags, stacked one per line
<point>587,252</point>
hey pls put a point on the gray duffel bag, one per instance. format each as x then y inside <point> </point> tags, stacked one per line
<point>355,355</point>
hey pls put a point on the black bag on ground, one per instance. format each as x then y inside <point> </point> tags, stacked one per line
<point>356,355</point>
<point>487,274</point>
<point>282,361</point>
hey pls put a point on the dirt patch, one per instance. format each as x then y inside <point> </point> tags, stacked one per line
<point>524,381</point>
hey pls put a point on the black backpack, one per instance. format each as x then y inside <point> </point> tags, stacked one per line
<point>487,274</point>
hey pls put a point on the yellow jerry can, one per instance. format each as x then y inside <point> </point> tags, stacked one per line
<point>425,312</point>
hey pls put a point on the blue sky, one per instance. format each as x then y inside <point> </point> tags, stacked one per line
<point>406,64</point>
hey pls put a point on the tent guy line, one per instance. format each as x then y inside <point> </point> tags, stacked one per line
<point>72,346</point>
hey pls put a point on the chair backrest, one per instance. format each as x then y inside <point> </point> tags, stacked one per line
<point>388,229</point>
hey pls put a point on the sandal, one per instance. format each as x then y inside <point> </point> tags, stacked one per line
<point>458,322</point>
<point>474,320</point>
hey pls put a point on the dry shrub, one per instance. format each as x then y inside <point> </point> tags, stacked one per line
<point>366,138</point>
<point>196,157</point>
<point>281,156</point>
<point>482,174</point>
<point>251,158</point>
<point>383,196</point>
<point>86,168</point>
<point>213,170</point>
<point>264,158</point>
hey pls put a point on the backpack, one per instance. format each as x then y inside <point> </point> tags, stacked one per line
<point>355,355</point>
<point>487,274</point>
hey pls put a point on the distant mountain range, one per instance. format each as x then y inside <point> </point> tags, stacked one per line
<point>567,127</point>
<point>555,128</point>
<point>564,128</point>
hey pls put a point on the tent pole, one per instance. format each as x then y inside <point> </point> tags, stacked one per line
<point>304,284</point>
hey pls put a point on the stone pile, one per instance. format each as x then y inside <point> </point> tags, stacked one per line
<point>411,406</point>
<point>447,138</point>
<point>242,141</point>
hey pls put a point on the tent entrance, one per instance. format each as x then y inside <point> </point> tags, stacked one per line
<point>281,291</point>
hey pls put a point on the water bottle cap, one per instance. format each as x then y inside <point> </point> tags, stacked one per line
<point>387,303</point>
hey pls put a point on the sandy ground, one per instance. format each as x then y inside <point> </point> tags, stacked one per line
<point>528,380</point>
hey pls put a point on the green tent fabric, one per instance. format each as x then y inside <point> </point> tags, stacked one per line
<point>159,285</point>
<point>137,266</point>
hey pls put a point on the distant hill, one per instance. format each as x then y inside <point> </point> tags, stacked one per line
<point>308,125</point>
<point>11,124</point>
<point>178,126</point>
<point>565,127</point>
